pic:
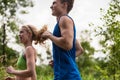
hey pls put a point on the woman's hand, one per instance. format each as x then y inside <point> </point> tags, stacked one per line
<point>9,78</point>
<point>10,69</point>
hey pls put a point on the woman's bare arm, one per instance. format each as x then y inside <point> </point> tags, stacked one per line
<point>30,57</point>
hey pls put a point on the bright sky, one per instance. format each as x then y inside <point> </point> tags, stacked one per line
<point>83,13</point>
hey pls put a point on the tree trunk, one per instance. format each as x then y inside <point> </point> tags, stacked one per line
<point>4,45</point>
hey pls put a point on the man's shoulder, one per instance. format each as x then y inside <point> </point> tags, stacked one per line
<point>64,19</point>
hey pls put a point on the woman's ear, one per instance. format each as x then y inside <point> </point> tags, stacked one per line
<point>29,34</point>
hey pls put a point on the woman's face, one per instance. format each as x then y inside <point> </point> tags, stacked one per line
<point>23,35</point>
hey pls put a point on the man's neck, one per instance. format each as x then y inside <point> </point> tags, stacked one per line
<point>58,17</point>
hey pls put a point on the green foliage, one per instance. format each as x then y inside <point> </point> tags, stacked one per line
<point>44,72</point>
<point>9,26</point>
<point>86,62</point>
<point>2,73</point>
<point>10,6</point>
<point>110,31</point>
<point>11,56</point>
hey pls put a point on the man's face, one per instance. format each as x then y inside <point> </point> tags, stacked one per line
<point>56,7</point>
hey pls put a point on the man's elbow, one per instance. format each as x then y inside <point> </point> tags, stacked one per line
<point>68,47</point>
<point>82,50</point>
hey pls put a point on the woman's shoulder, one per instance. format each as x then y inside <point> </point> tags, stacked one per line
<point>29,49</point>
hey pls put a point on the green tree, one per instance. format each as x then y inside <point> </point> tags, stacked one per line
<point>110,33</point>
<point>86,62</point>
<point>9,24</point>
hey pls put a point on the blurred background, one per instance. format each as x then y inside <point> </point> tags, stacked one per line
<point>98,30</point>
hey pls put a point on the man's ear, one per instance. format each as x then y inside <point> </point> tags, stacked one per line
<point>65,5</point>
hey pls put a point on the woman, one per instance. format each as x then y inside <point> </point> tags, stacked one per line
<point>26,61</point>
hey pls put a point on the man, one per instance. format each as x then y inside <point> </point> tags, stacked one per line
<point>64,42</point>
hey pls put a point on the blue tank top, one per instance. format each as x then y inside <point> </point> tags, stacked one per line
<point>65,67</point>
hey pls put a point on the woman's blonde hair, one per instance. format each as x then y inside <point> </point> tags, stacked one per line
<point>36,34</point>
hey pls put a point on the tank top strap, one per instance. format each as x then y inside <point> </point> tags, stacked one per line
<point>67,16</point>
